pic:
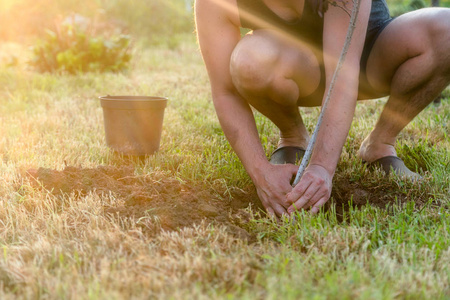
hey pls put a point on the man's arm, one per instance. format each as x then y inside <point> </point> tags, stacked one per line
<point>314,188</point>
<point>218,33</point>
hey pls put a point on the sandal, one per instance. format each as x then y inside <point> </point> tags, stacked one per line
<point>395,164</point>
<point>287,155</point>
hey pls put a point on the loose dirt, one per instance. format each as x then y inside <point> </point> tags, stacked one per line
<point>157,201</point>
<point>160,202</point>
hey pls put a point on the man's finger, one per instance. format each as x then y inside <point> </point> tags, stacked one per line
<point>316,208</point>
<point>298,190</point>
<point>271,212</point>
<point>310,195</point>
<point>321,193</point>
<point>275,209</point>
<point>279,210</point>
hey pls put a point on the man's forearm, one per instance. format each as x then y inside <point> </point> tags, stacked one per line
<point>338,117</point>
<point>238,124</point>
<point>336,123</point>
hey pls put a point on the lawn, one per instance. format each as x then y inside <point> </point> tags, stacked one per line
<point>79,221</point>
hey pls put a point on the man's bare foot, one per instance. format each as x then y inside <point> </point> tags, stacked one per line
<point>301,142</point>
<point>372,150</point>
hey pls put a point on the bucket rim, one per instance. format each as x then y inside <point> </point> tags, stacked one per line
<point>132,98</point>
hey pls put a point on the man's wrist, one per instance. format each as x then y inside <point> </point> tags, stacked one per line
<point>257,168</point>
<point>329,168</point>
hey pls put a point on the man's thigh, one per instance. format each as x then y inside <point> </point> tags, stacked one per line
<point>406,37</point>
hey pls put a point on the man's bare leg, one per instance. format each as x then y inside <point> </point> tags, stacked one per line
<point>410,61</point>
<point>272,75</point>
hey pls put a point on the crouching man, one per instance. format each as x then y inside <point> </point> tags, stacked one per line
<point>288,60</point>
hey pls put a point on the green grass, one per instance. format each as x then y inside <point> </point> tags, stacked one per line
<point>68,248</point>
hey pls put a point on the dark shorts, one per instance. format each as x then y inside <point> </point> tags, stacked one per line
<point>378,20</point>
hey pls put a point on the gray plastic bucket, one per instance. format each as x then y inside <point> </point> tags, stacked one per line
<point>133,124</point>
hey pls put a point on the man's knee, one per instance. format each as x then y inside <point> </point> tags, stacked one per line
<point>252,63</point>
<point>439,32</point>
<point>439,23</point>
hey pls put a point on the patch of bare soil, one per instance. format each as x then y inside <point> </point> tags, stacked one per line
<point>386,193</point>
<point>159,202</point>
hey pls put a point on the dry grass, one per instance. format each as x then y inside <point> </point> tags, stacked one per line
<point>67,247</point>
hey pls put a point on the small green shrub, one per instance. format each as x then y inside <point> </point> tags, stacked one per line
<point>73,49</point>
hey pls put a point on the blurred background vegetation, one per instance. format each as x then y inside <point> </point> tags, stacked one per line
<point>149,21</point>
<point>398,7</point>
<point>68,31</point>
<point>153,22</point>
<point>74,36</point>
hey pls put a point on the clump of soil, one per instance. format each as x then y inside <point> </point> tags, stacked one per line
<point>159,201</point>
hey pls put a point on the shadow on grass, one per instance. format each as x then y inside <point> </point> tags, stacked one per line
<point>157,201</point>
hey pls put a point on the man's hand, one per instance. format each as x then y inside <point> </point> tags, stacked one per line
<point>313,190</point>
<point>272,184</point>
